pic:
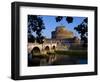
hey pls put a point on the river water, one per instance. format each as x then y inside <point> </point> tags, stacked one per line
<point>55,60</point>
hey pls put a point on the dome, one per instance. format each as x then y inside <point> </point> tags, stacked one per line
<point>61,28</point>
<point>62,33</point>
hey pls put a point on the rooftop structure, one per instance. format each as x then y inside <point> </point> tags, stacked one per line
<point>62,33</point>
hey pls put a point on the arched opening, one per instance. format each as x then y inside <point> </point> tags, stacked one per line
<point>53,47</point>
<point>35,50</point>
<point>47,48</point>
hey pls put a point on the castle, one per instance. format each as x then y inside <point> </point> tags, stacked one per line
<point>61,39</point>
<point>61,33</point>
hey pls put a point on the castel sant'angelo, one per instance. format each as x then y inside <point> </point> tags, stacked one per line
<point>61,33</point>
<point>63,37</point>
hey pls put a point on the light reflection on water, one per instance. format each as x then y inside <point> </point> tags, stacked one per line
<point>55,60</point>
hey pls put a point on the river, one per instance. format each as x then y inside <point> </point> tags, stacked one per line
<point>56,60</point>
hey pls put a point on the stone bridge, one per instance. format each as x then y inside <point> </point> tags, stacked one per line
<point>41,48</point>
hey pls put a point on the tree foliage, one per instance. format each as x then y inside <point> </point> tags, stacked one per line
<point>35,24</point>
<point>68,19</point>
<point>82,29</point>
<point>58,18</point>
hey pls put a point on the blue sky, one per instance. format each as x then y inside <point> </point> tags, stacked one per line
<point>51,24</point>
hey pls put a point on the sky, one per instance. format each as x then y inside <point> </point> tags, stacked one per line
<point>50,24</point>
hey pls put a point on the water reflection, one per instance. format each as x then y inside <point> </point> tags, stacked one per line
<point>54,60</point>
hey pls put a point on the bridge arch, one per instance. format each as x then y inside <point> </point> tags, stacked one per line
<point>47,48</point>
<point>35,50</point>
<point>53,47</point>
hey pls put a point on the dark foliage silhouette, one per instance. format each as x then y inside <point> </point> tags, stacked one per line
<point>82,29</point>
<point>35,24</point>
<point>58,18</point>
<point>68,19</point>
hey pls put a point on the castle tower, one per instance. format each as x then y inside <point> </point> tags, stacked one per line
<point>61,33</point>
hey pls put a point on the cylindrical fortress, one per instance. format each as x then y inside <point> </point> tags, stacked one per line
<point>62,33</point>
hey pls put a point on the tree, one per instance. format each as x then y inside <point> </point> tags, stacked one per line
<point>82,29</point>
<point>68,19</point>
<point>35,24</point>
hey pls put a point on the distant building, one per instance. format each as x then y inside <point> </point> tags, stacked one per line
<point>61,33</point>
<point>65,39</point>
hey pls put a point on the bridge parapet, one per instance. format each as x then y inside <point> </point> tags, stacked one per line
<point>45,47</point>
